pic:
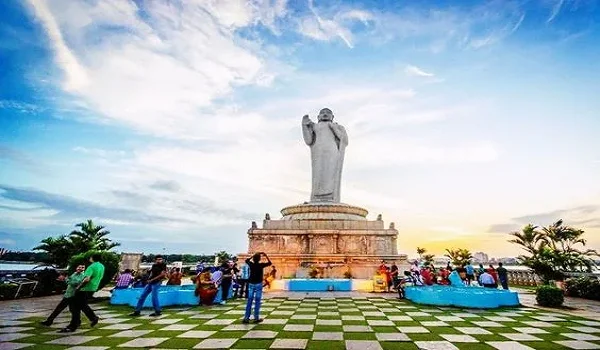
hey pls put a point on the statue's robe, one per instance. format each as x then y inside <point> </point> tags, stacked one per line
<point>327,143</point>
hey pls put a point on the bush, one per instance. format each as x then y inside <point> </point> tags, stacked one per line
<point>110,261</point>
<point>549,296</point>
<point>583,287</point>
<point>348,274</point>
<point>7,291</point>
<point>48,283</point>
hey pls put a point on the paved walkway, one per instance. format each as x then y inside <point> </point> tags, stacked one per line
<point>573,306</point>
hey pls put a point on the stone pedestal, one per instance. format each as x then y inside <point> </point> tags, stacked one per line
<point>332,237</point>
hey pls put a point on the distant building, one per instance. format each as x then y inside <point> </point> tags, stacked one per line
<point>480,257</point>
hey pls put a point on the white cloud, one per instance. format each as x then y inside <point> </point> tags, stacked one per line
<point>10,242</point>
<point>326,29</point>
<point>159,74</point>
<point>75,74</point>
<point>415,71</point>
<point>497,34</point>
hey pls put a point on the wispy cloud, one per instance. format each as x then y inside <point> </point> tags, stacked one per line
<point>415,71</point>
<point>498,34</point>
<point>585,215</point>
<point>75,73</point>
<point>317,27</point>
<point>144,73</point>
<point>555,10</point>
<point>23,107</point>
<point>131,207</point>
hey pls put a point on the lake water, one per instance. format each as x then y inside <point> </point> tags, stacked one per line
<point>17,267</point>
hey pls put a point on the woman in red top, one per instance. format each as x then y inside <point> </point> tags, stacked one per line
<point>427,276</point>
<point>492,271</point>
<point>444,273</point>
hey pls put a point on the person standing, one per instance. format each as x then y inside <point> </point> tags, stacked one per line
<point>72,282</point>
<point>158,271</point>
<point>502,276</point>
<point>470,273</point>
<point>175,277</point>
<point>492,271</point>
<point>394,271</point>
<point>83,292</point>
<point>243,281</point>
<point>228,271</point>
<point>255,286</point>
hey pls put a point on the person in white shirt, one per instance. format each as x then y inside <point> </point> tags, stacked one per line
<point>486,280</point>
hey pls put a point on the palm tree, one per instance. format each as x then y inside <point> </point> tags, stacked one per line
<point>59,249</point>
<point>529,238</point>
<point>421,251</point>
<point>91,237</point>
<point>562,240</point>
<point>459,257</point>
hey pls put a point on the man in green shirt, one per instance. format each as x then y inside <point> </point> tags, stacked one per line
<point>86,289</point>
<point>72,282</point>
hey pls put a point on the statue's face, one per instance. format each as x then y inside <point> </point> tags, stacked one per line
<point>325,115</point>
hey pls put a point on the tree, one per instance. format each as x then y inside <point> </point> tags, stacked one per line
<point>552,251</point>
<point>59,250</point>
<point>91,237</point>
<point>428,259</point>
<point>459,257</point>
<point>223,256</point>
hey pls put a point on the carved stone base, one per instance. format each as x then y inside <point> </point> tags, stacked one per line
<point>324,211</point>
<point>325,234</point>
<point>331,266</point>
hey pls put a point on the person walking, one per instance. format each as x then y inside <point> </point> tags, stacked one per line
<point>72,282</point>
<point>158,271</point>
<point>83,292</point>
<point>255,286</point>
<point>502,276</point>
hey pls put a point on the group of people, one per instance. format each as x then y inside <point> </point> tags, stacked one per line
<point>81,285</point>
<point>428,275</point>
<point>250,281</point>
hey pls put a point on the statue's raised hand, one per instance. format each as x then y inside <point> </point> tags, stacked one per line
<point>306,120</point>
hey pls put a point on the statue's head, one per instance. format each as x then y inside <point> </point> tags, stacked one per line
<point>325,115</point>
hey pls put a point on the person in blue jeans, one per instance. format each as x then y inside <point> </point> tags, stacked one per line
<point>157,273</point>
<point>255,286</point>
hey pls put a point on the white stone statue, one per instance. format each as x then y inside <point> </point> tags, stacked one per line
<point>327,141</point>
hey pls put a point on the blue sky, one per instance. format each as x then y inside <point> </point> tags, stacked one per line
<point>176,124</point>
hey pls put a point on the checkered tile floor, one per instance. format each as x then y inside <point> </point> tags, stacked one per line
<point>342,323</point>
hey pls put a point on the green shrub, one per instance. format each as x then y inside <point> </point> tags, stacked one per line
<point>7,291</point>
<point>110,261</point>
<point>583,287</point>
<point>48,283</point>
<point>549,296</point>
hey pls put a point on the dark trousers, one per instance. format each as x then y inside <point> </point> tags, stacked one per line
<point>504,282</point>
<point>243,290</point>
<point>490,285</point>
<point>64,302</point>
<point>225,285</point>
<point>78,304</point>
